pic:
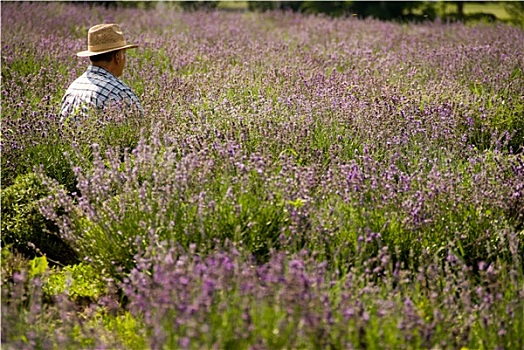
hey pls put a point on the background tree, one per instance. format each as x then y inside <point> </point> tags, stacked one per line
<point>384,10</point>
<point>196,5</point>
<point>516,11</point>
<point>333,8</point>
<point>274,5</point>
<point>460,8</point>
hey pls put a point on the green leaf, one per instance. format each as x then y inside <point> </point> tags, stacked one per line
<point>38,266</point>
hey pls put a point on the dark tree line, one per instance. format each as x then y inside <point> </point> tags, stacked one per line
<point>384,10</point>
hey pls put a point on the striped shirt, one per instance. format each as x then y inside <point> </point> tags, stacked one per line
<point>96,88</point>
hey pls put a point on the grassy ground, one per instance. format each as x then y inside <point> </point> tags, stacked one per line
<point>496,9</point>
<point>233,5</point>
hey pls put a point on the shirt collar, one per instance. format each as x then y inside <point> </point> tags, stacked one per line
<point>99,70</point>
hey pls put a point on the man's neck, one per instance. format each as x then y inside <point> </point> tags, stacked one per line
<point>107,66</point>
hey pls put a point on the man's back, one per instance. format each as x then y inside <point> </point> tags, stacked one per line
<point>96,88</point>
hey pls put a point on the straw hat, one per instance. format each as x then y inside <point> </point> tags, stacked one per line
<point>104,38</point>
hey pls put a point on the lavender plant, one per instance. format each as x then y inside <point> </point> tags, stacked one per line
<point>223,300</point>
<point>297,181</point>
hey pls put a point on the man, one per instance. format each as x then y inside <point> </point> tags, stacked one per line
<point>99,86</point>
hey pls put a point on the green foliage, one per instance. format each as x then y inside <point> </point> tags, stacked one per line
<point>239,214</point>
<point>516,11</point>
<point>404,10</point>
<point>246,219</point>
<point>122,4</point>
<point>197,5</point>
<point>127,329</point>
<point>501,127</point>
<point>110,248</point>
<point>12,262</point>
<point>25,228</point>
<point>333,8</point>
<point>54,152</point>
<point>49,157</point>
<point>37,266</point>
<point>43,147</point>
<point>384,10</point>
<point>80,282</point>
<point>274,5</point>
<point>495,121</point>
<point>121,135</point>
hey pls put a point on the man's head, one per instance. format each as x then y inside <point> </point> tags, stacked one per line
<point>106,47</point>
<point>113,61</point>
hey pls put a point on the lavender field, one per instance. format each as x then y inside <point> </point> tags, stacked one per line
<point>296,182</point>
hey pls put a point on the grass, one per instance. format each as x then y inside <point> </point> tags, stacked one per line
<point>496,9</point>
<point>471,8</point>
<point>232,5</point>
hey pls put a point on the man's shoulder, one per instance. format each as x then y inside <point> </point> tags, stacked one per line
<point>120,86</point>
<point>79,83</point>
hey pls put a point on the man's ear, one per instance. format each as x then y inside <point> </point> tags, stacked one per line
<point>117,56</point>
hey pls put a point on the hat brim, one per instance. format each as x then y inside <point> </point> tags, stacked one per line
<point>88,53</point>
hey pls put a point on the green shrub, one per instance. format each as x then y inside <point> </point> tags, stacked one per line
<point>49,156</point>
<point>12,262</point>
<point>25,228</point>
<point>80,282</point>
<point>127,329</point>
